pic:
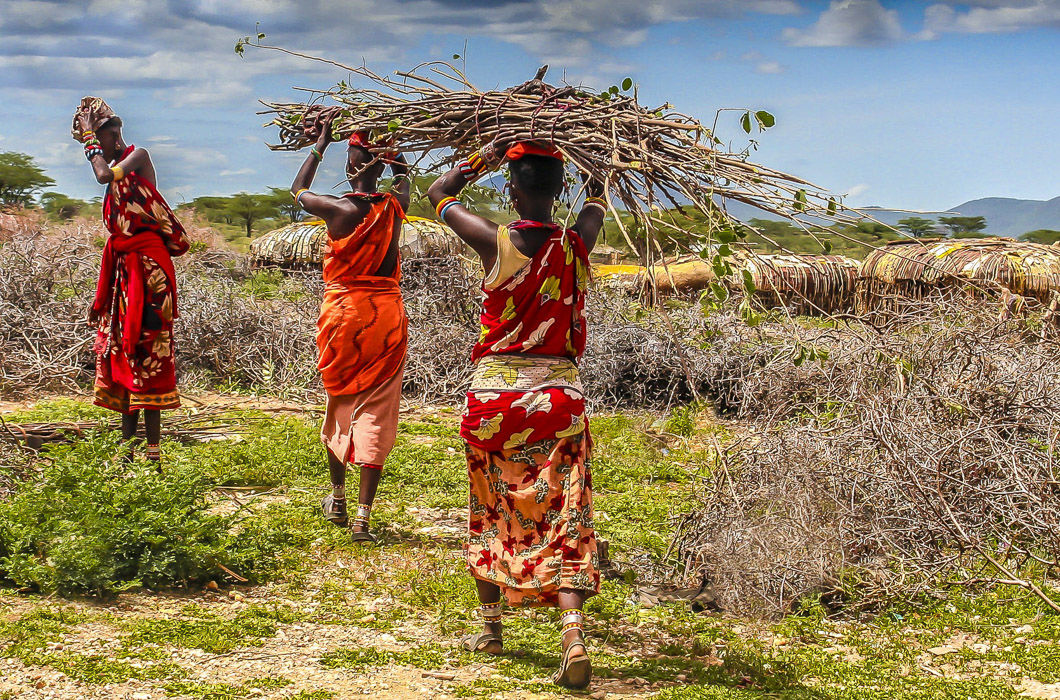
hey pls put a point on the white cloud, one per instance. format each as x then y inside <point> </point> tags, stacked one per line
<point>849,23</point>
<point>991,17</point>
<point>770,67</point>
<point>857,190</point>
<point>234,173</point>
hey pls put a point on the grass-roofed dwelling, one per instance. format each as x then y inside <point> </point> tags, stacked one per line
<point>301,244</point>
<point>911,269</point>
<point>803,284</point>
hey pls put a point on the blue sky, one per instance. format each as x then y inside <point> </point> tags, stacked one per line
<point>908,104</point>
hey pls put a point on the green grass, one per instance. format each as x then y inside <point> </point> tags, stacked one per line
<point>199,628</point>
<point>645,471</point>
<point>427,657</point>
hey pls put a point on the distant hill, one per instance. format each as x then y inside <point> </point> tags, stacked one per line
<point>1004,216</point>
<point>1011,217</point>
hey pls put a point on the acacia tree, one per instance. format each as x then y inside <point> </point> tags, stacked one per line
<point>283,201</point>
<point>248,208</point>
<point>916,226</point>
<point>1043,235</point>
<point>61,206</point>
<point>961,226</point>
<point>20,179</point>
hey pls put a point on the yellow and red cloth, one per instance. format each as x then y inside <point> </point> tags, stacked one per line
<point>530,515</point>
<point>533,332</point>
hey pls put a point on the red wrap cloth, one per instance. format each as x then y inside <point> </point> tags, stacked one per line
<point>532,324</point>
<point>137,281</point>
<point>362,332</point>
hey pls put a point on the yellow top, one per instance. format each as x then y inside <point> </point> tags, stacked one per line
<point>509,260</point>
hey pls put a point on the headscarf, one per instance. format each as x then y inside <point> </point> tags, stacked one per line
<point>99,113</point>
<point>529,148</point>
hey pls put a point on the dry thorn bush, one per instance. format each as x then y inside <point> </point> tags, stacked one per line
<point>908,460</point>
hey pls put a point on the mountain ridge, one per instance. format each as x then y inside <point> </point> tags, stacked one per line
<point>1005,216</point>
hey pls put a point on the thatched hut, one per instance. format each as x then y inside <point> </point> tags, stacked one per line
<point>302,244</point>
<point>803,284</point>
<point>910,269</point>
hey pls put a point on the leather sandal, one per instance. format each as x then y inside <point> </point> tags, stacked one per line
<point>575,673</point>
<point>333,513</point>
<point>362,536</point>
<point>479,642</point>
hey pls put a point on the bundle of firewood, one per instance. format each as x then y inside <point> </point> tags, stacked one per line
<point>656,162</point>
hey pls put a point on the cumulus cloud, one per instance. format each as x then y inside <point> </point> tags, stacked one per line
<point>857,190</point>
<point>183,49</point>
<point>986,16</point>
<point>849,23</point>
<point>870,23</point>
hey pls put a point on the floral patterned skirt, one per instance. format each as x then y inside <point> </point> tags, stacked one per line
<point>530,520</point>
<point>154,380</point>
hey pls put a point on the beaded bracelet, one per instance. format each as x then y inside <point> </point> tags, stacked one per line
<point>445,203</point>
<point>92,153</point>
<point>316,154</point>
<point>469,172</point>
<point>86,135</point>
<point>597,202</point>
<point>118,172</point>
<point>298,195</point>
<point>477,163</point>
<point>446,209</point>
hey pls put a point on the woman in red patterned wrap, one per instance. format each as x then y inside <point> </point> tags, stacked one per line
<point>530,520</point>
<point>136,295</point>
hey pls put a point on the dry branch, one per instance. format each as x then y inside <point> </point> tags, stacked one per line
<point>651,158</point>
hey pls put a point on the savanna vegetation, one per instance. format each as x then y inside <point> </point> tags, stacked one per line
<point>795,507</point>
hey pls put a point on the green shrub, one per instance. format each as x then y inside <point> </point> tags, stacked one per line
<point>86,522</point>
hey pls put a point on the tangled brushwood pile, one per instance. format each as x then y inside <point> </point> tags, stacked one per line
<point>650,158</point>
<point>905,270</point>
<point>903,461</point>
<point>246,329</point>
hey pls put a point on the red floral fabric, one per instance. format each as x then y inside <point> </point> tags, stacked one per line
<point>136,298</point>
<point>530,520</point>
<point>531,324</point>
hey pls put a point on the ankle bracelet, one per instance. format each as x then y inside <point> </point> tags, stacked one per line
<point>571,620</point>
<point>492,612</point>
<point>364,513</point>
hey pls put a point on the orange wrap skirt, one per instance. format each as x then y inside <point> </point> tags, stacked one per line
<point>362,338</point>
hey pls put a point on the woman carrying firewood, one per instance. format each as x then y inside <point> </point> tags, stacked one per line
<point>362,332</point>
<point>530,520</point>
<point>136,296</point>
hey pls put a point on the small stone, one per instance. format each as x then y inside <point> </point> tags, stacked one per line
<point>1025,629</point>
<point>212,586</point>
<point>367,619</point>
<point>940,651</point>
<point>682,677</point>
<point>599,695</point>
<point>141,696</point>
